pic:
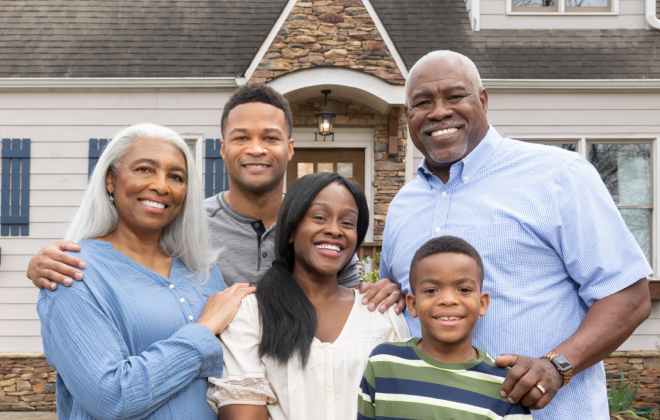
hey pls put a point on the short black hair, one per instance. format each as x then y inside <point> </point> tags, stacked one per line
<point>257,92</point>
<point>444,245</point>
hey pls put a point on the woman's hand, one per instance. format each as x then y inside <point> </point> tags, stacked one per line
<point>222,306</point>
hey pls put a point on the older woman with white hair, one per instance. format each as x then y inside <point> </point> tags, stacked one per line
<point>137,338</point>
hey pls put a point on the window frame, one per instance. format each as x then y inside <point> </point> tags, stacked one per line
<point>582,142</point>
<point>197,141</point>
<point>560,9</point>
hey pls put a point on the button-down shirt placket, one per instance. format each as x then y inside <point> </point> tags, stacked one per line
<point>330,411</point>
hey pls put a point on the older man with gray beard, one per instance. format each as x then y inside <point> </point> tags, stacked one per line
<point>560,264</point>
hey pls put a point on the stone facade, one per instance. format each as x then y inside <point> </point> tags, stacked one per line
<point>389,175</point>
<point>337,33</point>
<point>643,366</point>
<point>27,383</point>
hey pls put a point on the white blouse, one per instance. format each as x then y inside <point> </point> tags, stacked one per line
<point>326,388</point>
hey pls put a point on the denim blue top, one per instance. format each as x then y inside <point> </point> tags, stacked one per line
<point>551,239</point>
<point>124,342</point>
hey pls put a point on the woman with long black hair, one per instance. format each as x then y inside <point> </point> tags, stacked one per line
<point>297,350</point>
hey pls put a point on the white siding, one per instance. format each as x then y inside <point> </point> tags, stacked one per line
<point>60,125</point>
<point>493,16</point>
<point>579,115</point>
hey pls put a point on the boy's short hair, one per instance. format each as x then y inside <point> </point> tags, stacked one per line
<point>261,93</point>
<point>444,245</point>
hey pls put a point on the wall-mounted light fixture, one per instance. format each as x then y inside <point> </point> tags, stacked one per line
<point>325,119</point>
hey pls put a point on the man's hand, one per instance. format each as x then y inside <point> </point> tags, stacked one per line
<point>384,293</point>
<point>526,372</point>
<point>51,266</point>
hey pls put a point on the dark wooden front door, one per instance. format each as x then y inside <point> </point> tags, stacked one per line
<point>345,161</point>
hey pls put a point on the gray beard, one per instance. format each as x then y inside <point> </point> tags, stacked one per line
<point>454,158</point>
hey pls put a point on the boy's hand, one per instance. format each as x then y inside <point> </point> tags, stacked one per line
<point>51,265</point>
<point>526,372</point>
<point>384,292</point>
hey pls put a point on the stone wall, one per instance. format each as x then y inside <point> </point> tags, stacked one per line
<point>328,33</point>
<point>27,383</point>
<point>643,366</point>
<point>389,174</point>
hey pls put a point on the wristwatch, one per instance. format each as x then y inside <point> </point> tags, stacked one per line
<point>562,365</point>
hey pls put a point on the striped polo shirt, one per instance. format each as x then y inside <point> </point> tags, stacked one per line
<point>402,382</point>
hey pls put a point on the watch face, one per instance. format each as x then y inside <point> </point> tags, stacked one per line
<point>562,363</point>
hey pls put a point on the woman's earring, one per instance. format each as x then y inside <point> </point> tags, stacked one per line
<point>111,198</point>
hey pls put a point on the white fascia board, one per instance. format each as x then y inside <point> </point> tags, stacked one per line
<point>536,85</point>
<point>651,14</point>
<point>386,38</point>
<point>118,83</point>
<point>269,39</point>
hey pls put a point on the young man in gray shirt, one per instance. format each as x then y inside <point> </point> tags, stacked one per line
<point>256,147</point>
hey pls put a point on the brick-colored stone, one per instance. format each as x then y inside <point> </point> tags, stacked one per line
<point>28,376</point>
<point>331,18</point>
<point>375,46</point>
<point>389,166</point>
<point>7,382</point>
<point>328,9</point>
<point>616,361</point>
<point>650,372</point>
<point>23,386</point>
<point>335,53</point>
<point>350,3</point>
<point>9,399</point>
<point>294,52</point>
<point>47,388</point>
<point>33,397</point>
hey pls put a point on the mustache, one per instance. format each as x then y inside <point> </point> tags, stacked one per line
<point>439,126</point>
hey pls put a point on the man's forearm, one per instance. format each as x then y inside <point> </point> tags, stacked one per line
<point>607,324</point>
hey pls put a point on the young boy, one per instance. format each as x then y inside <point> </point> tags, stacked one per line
<point>439,376</point>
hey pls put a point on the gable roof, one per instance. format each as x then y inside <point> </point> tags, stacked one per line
<point>419,26</point>
<point>132,38</point>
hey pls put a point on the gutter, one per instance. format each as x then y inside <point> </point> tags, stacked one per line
<point>651,14</point>
<point>41,83</point>
<point>574,85</point>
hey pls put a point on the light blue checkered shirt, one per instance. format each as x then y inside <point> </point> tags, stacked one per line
<point>552,242</point>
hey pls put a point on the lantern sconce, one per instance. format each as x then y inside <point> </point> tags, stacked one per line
<point>325,119</point>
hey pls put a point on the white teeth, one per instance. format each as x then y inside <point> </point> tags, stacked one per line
<point>152,204</point>
<point>256,166</point>
<point>444,132</point>
<point>449,318</point>
<point>328,246</point>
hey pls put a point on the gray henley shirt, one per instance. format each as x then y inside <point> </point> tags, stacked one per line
<point>248,248</point>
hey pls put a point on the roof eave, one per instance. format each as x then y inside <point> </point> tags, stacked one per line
<point>574,85</point>
<point>41,83</point>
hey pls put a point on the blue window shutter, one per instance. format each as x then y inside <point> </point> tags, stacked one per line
<point>15,197</point>
<point>96,147</point>
<point>215,179</point>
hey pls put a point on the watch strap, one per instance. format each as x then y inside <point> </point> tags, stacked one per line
<point>567,375</point>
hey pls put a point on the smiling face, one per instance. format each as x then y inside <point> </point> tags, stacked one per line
<point>325,239</point>
<point>446,112</point>
<point>447,299</point>
<point>256,147</point>
<point>149,186</point>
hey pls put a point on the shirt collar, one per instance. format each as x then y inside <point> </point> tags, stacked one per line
<point>468,166</point>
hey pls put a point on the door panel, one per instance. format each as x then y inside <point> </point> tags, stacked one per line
<point>345,161</point>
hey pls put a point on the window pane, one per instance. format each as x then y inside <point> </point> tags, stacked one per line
<point>568,146</point>
<point>533,3</point>
<point>345,169</point>
<point>638,221</point>
<point>305,168</point>
<point>586,3</point>
<point>191,147</point>
<point>325,167</point>
<point>625,170</point>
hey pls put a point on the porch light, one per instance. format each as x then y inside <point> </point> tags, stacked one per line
<point>325,119</point>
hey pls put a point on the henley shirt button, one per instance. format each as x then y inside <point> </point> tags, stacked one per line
<point>171,286</point>
<point>264,255</point>
<point>182,300</point>
<point>465,178</point>
<point>256,225</point>
<point>444,193</point>
<point>437,230</point>
<point>190,317</point>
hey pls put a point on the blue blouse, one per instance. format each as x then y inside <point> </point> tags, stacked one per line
<point>124,341</point>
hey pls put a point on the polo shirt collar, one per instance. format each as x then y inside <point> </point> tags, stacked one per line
<point>467,167</point>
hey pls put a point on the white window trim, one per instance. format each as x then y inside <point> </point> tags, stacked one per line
<point>562,10</point>
<point>358,138</point>
<point>581,148</point>
<point>198,141</point>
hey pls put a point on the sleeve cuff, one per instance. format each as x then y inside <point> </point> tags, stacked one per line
<point>208,346</point>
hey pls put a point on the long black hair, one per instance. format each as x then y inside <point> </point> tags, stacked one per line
<point>288,318</point>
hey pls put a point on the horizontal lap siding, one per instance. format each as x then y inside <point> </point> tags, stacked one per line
<point>60,125</point>
<point>493,16</point>
<point>582,114</point>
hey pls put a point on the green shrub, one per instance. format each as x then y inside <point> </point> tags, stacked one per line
<point>622,401</point>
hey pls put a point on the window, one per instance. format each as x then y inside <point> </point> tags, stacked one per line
<point>564,7</point>
<point>194,142</point>
<point>625,166</point>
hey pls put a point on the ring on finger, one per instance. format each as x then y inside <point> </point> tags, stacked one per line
<point>540,388</point>
<point>398,295</point>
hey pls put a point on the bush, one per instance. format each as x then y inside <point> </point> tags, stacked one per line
<point>622,401</point>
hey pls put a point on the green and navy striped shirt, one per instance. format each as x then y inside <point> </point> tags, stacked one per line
<point>401,382</point>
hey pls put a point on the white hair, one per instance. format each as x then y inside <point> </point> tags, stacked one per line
<point>186,237</point>
<point>461,62</point>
